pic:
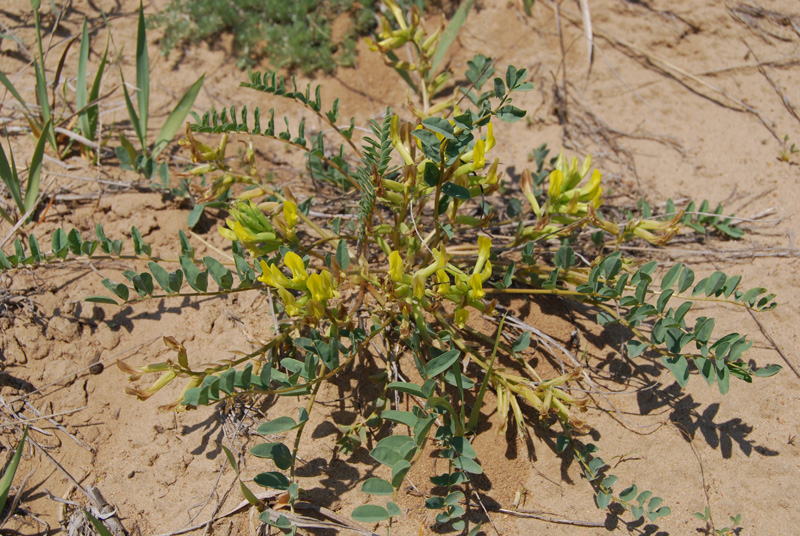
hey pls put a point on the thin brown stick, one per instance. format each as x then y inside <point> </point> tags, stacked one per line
<point>485,511</point>
<point>557,520</point>
<point>774,344</point>
<point>784,99</point>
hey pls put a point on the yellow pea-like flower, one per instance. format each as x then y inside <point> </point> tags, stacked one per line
<point>556,182</point>
<point>461,317</point>
<point>487,271</point>
<point>295,264</point>
<point>290,213</point>
<point>291,305</point>
<point>592,190</point>
<point>395,266</point>
<point>444,282</point>
<point>328,277</point>
<point>319,287</point>
<point>418,286</point>
<point>243,234</point>
<point>479,155</point>
<point>476,282</point>
<point>227,232</point>
<point>490,141</point>
<point>271,275</point>
<point>484,249</point>
<point>527,188</point>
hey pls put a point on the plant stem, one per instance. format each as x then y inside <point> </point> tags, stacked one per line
<point>302,426</point>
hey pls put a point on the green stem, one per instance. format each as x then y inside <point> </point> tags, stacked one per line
<point>302,426</point>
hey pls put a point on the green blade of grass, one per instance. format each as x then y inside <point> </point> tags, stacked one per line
<point>34,175</point>
<point>6,216</point>
<point>41,92</point>
<point>251,498</point>
<point>11,89</point>
<point>35,5</point>
<point>176,118</point>
<point>142,75</point>
<point>132,115</point>
<point>450,33</point>
<point>101,529</point>
<point>81,97</point>
<point>10,178</point>
<point>94,111</point>
<point>11,470</point>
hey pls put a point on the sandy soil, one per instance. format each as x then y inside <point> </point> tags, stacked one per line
<point>675,106</point>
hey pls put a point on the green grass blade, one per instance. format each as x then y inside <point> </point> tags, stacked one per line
<point>11,89</point>
<point>94,111</point>
<point>11,470</point>
<point>101,529</point>
<point>176,118</point>
<point>35,173</point>
<point>6,216</point>
<point>35,4</point>
<point>450,33</point>
<point>472,425</point>
<point>132,115</point>
<point>41,92</point>
<point>10,178</point>
<point>142,74</point>
<point>81,97</point>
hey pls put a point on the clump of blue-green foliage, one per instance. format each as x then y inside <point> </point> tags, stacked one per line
<point>295,35</point>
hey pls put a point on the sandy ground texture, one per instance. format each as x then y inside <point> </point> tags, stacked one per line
<point>685,99</point>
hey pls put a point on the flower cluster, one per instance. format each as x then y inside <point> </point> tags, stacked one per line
<point>392,37</point>
<point>316,288</point>
<point>563,194</point>
<point>447,281</point>
<point>250,226</point>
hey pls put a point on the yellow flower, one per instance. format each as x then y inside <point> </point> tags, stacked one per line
<point>527,189</point>
<point>476,282</point>
<point>329,281</point>
<point>291,305</point>
<point>295,264</point>
<point>290,213</point>
<point>418,286</point>
<point>397,12</point>
<point>592,191</point>
<point>320,287</point>
<point>395,266</point>
<point>556,182</point>
<point>272,276</point>
<point>439,262</point>
<point>484,249</point>
<point>487,271</point>
<point>243,234</point>
<point>479,155</point>
<point>227,232</point>
<point>249,226</point>
<point>444,282</point>
<point>398,142</point>
<point>490,141</point>
<point>461,317</point>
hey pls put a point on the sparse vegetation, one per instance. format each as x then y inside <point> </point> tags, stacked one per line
<point>412,273</point>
